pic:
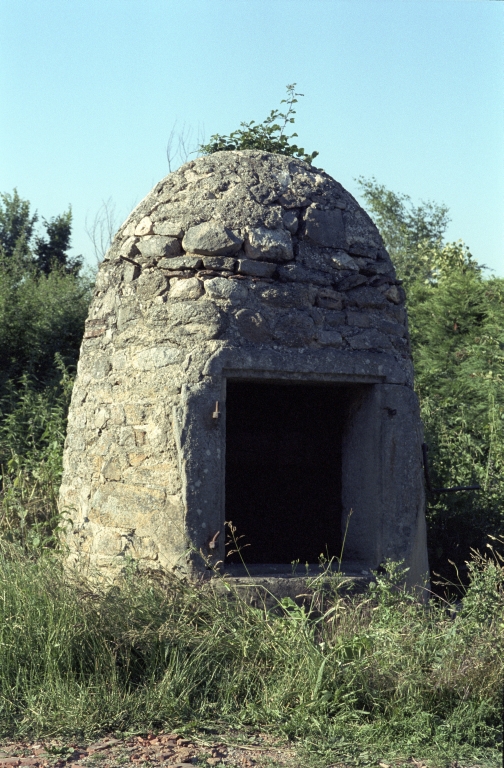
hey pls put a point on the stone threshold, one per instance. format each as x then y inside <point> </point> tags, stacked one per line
<point>269,582</point>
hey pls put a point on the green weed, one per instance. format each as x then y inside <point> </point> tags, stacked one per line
<point>381,674</point>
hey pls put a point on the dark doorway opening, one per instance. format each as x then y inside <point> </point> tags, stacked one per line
<point>283,469</point>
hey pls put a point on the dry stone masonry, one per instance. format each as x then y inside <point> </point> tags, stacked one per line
<point>247,292</point>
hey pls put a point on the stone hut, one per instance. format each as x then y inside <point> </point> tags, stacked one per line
<point>245,359</point>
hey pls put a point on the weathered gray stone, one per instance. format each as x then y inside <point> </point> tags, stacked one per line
<point>370,339</point>
<point>156,357</point>
<point>219,264</point>
<point>158,246</point>
<point>365,298</point>
<point>211,239</point>
<point>393,294</point>
<point>144,227</point>
<point>220,288</point>
<point>325,228</point>
<point>129,248</point>
<point>169,228</point>
<point>290,221</point>
<point>252,326</point>
<point>150,283</point>
<point>298,274</point>
<point>181,262</point>
<point>190,288</point>
<point>295,328</point>
<point>342,260</point>
<point>256,268</point>
<point>329,299</point>
<point>267,244</point>
<point>350,281</point>
<point>170,334</point>
<point>298,296</point>
<point>330,338</point>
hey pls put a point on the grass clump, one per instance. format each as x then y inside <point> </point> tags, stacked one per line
<point>380,674</point>
<point>32,431</point>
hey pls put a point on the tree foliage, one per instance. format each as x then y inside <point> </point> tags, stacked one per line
<point>43,297</point>
<point>20,243</point>
<point>269,135</point>
<point>456,318</point>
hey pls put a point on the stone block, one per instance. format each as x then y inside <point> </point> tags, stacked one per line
<point>157,357</point>
<point>342,260</point>
<point>221,288</point>
<point>253,326</point>
<point>351,281</point>
<point>150,283</point>
<point>219,263</point>
<point>298,296</point>
<point>370,339</point>
<point>325,228</point>
<point>144,227</point>
<point>329,299</point>
<point>189,261</point>
<point>256,268</point>
<point>159,247</point>
<point>290,221</point>
<point>297,273</point>
<point>365,298</point>
<point>211,239</point>
<point>330,338</point>
<point>268,244</point>
<point>190,288</point>
<point>295,329</point>
<point>169,228</point>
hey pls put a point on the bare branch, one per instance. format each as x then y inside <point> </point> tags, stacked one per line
<point>181,145</point>
<point>102,228</point>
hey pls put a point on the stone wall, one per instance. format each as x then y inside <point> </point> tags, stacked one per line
<point>239,261</point>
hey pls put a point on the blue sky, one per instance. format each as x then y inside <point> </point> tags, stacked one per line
<point>408,91</point>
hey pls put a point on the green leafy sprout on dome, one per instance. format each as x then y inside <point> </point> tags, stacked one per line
<point>268,136</point>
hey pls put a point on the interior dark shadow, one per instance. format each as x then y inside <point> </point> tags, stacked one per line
<point>283,469</point>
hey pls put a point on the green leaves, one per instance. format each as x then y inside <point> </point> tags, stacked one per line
<point>268,136</point>
<point>21,247</point>
<point>456,319</point>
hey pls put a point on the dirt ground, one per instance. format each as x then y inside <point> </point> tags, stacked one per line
<point>165,749</point>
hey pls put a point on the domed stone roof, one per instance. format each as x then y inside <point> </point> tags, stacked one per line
<point>240,265</point>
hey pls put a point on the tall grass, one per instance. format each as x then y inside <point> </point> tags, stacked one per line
<point>32,432</point>
<point>380,674</point>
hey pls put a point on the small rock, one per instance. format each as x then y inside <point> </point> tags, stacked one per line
<point>393,294</point>
<point>271,244</point>
<point>325,228</point>
<point>218,263</point>
<point>181,262</point>
<point>144,227</point>
<point>290,221</point>
<point>220,288</point>
<point>159,246</point>
<point>170,228</point>
<point>129,248</point>
<point>351,281</point>
<point>343,261</point>
<point>330,338</point>
<point>252,326</point>
<point>329,299</point>
<point>298,274</point>
<point>186,289</point>
<point>256,268</point>
<point>211,239</point>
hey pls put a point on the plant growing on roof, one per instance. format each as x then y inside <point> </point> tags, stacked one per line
<point>269,135</point>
